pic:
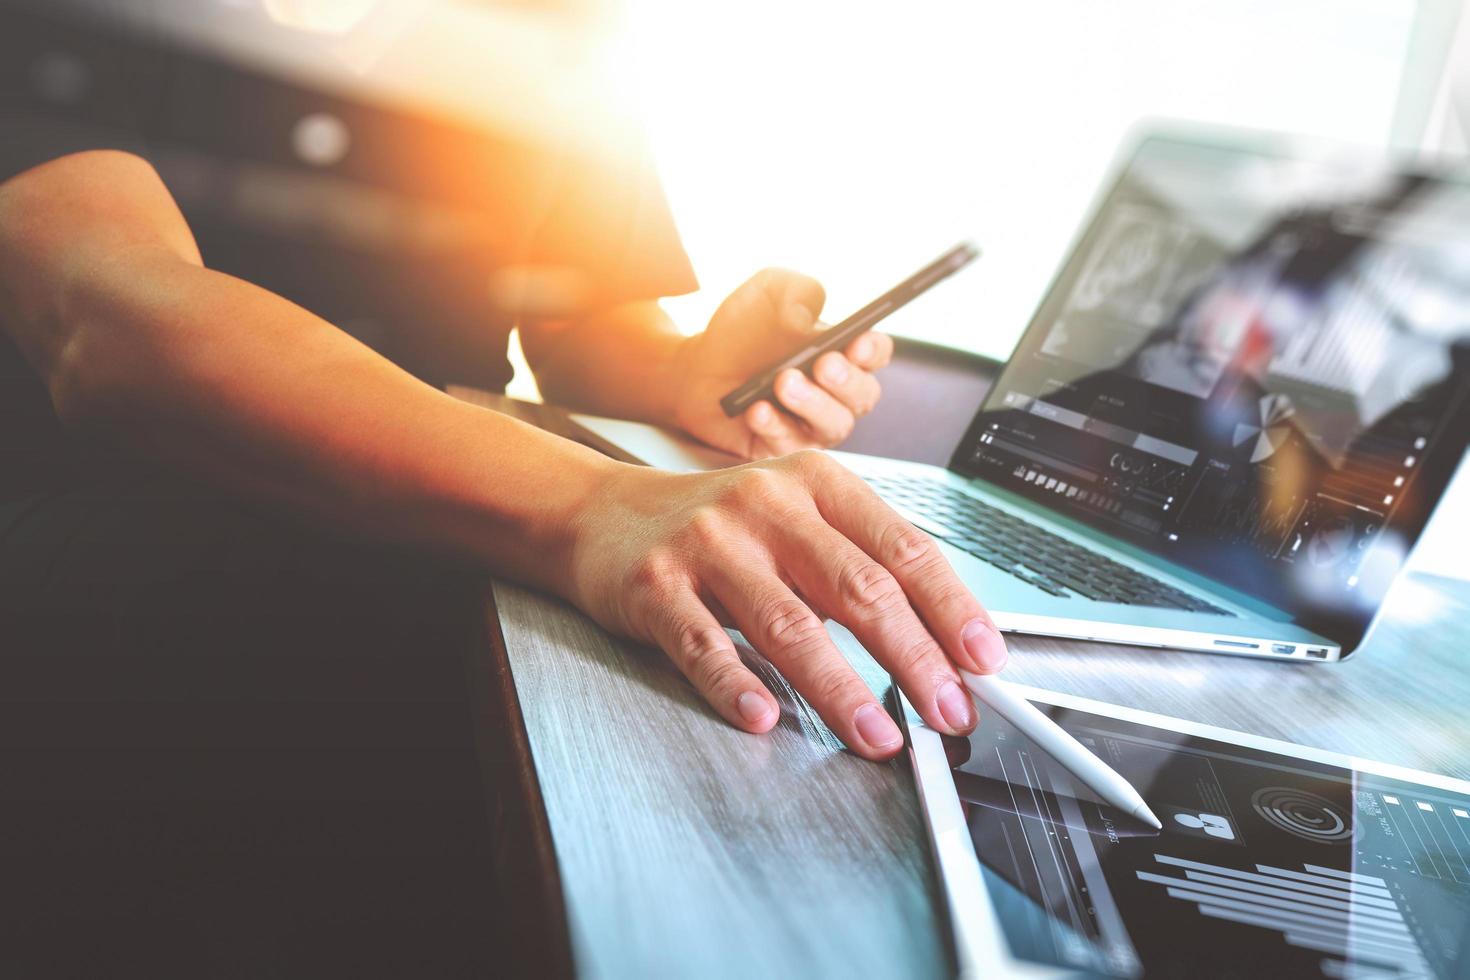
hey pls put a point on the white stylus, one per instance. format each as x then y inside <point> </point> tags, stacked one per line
<point>1094,773</point>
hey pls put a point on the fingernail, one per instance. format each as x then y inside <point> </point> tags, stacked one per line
<point>796,389</point>
<point>761,414</point>
<point>863,349</point>
<point>956,707</point>
<point>752,707</point>
<point>835,370</point>
<point>876,728</point>
<point>984,645</point>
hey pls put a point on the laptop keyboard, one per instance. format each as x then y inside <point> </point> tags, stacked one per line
<point>1048,561</point>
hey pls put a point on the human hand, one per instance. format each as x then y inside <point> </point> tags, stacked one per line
<point>772,548</point>
<point>772,314</point>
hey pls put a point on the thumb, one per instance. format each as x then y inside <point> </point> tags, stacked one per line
<point>796,299</point>
<point>788,301</point>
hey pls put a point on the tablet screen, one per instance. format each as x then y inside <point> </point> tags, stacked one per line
<point>1267,865</point>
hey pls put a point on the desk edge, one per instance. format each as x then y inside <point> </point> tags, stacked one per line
<point>528,875</point>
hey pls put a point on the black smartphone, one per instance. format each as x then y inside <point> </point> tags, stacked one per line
<point>838,336</point>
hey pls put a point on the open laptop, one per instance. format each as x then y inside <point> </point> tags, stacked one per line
<point>1232,414</point>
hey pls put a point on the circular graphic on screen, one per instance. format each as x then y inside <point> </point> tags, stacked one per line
<point>1263,436</point>
<point>1303,814</point>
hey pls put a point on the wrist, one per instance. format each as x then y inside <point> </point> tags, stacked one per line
<point>627,502</point>
<point>626,362</point>
<point>515,509</point>
<point>669,379</point>
<point>561,519</point>
<point>680,369</point>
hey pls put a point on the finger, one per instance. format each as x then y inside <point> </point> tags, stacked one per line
<point>699,646</point>
<point>871,351</point>
<point>954,616</point>
<point>848,383</point>
<point>778,434</point>
<point>791,636</point>
<point>797,299</point>
<point>866,598</point>
<point>828,420</point>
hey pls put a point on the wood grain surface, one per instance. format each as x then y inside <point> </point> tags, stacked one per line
<point>689,848</point>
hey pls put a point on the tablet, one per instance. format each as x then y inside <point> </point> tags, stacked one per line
<point>1274,860</point>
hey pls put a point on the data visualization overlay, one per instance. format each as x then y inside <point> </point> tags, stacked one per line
<point>1266,865</point>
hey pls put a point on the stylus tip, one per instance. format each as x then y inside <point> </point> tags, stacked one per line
<point>1147,816</point>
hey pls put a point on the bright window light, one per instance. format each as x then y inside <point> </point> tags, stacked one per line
<point>857,140</point>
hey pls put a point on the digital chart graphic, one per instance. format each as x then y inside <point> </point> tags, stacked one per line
<point>1304,814</point>
<point>1274,429</point>
<point>1352,918</point>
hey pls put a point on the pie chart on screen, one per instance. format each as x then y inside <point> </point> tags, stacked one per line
<point>1270,434</point>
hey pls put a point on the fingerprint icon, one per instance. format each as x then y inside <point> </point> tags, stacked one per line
<point>1301,813</point>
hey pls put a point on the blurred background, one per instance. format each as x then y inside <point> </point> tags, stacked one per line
<point>856,140</point>
<point>851,140</point>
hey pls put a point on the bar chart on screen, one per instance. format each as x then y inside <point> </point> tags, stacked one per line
<point>1352,918</point>
<point>1434,835</point>
<point>1265,866</point>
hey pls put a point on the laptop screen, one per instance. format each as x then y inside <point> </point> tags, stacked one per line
<point>1254,364</point>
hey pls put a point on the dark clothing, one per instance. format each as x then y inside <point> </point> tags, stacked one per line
<point>235,746</point>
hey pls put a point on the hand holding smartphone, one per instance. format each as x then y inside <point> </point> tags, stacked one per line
<point>838,336</point>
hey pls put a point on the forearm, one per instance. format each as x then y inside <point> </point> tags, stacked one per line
<point>223,379</point>
<point>622,362</point>
<point>141,346</point>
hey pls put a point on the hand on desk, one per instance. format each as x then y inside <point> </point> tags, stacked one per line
<point>104,270</point>
<point>772,548</point>
<point>774,312</point>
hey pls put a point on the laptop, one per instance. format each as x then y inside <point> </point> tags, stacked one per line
<point>1230,417</point>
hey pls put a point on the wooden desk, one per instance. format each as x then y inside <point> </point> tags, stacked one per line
<point>687,847</point>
